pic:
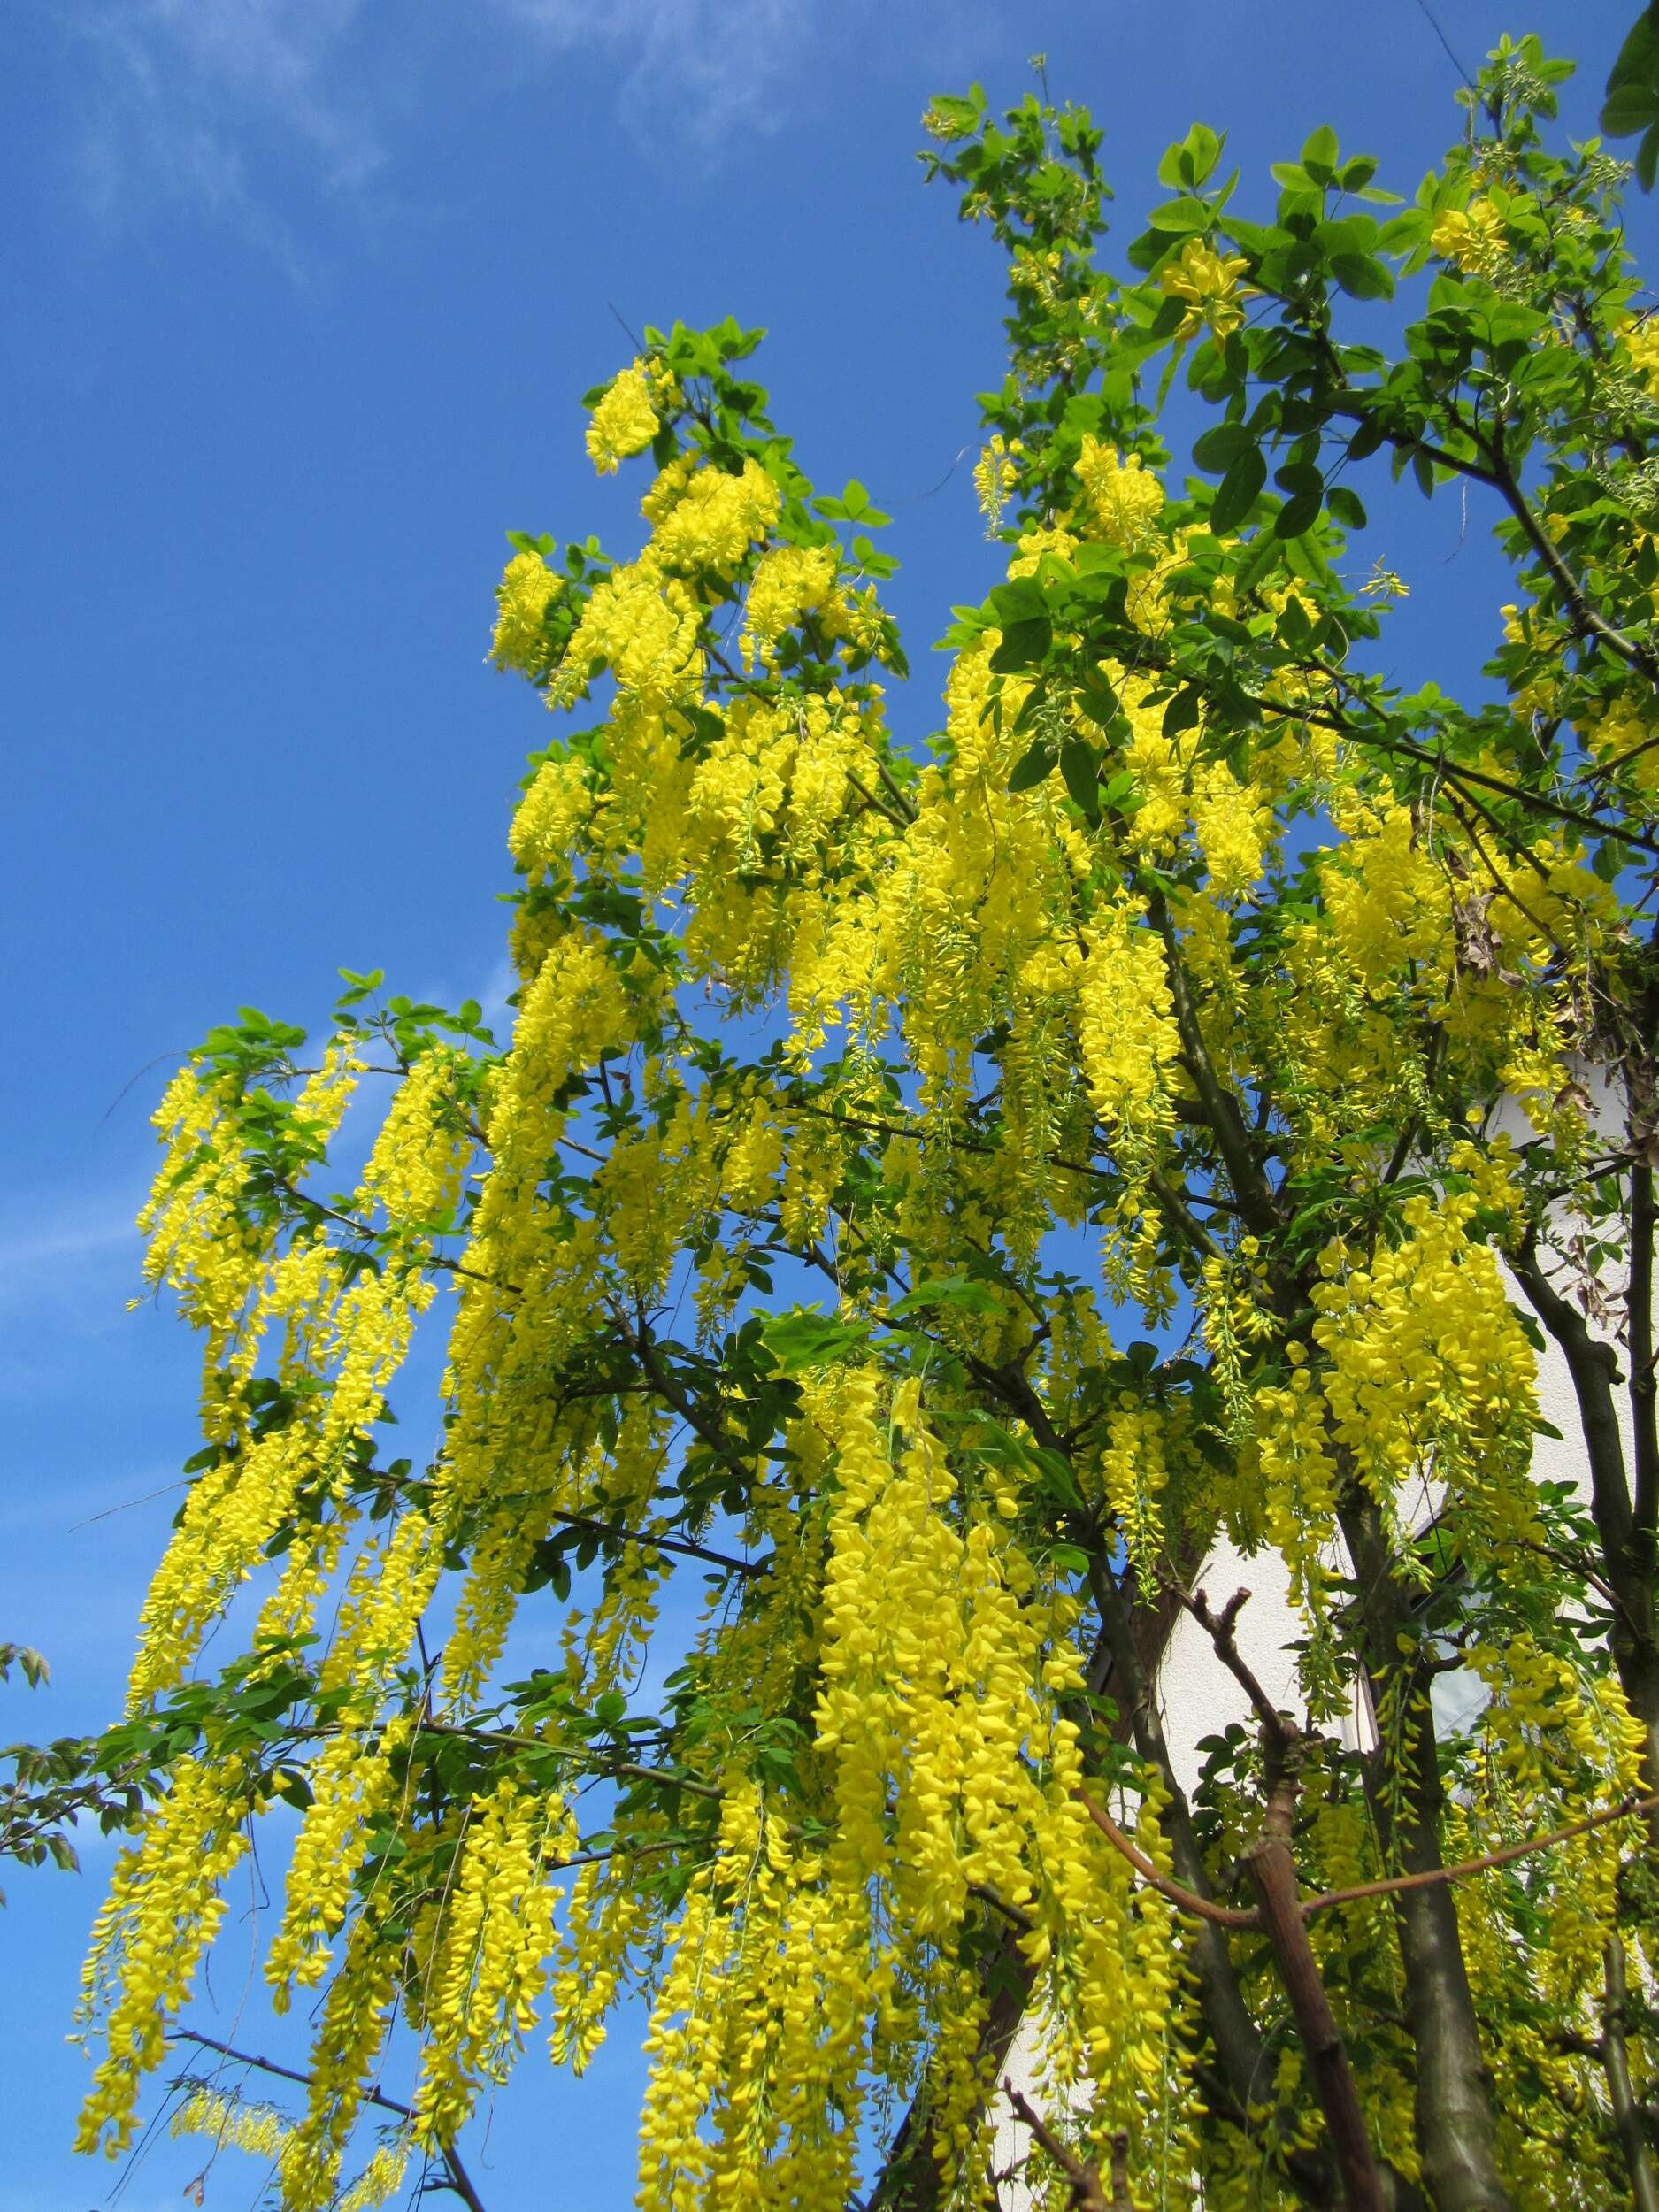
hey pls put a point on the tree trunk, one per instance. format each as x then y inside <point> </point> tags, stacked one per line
<point>1455,2122</point>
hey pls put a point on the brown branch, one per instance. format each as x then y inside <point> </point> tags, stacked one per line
<point>901,797</point>
<point>1457,772</point>
<point>459,2182</point>
<point>1627,1809</point>
<point>681,1546</point>
<point>1586,618</point>
<point>1199,1908</point>
<point>681,1401</point>
<point>1492,469</point>
<point>1502,887</point>
<point>1087,2190</point>
<point>899,821</point>
<point>1186,1900</point>
<point>1250,1186</point>
<point>371,1235</point>
<point>624,1770</point>
<point>1627,2123</point>
<point>1174,1203</point>
<point>1643,1384</point>
<point>1219,1627</point>
<point>868,1126</point>
<point>1015,1915</point>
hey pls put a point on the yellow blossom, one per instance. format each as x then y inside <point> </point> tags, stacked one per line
<point>1207,283</point>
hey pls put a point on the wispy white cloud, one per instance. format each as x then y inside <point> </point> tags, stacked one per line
<point>59,1254</point>
<point>701,69</point>
<point>184,99</point>
<point>203,102</point>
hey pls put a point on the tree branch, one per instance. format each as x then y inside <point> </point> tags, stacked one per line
<point>1083,2181</point>
<point>1185,1900</point>
<point>459,2182</point>
<point>1250,1186</point>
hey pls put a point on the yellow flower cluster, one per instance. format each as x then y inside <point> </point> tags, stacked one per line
<point>163,1907</point>
<point>707,519</point>
<point>995,474</point>
<point>1134,1472</point>
<point>380,2179</point>
<point>788,582</point>
<point>1471,238</point>
<point>1127,1037</point>
<point>481,1988</point>
<point>257,2129</point>
<point>550,816</point>
<point>626,419</point>
<point>1430,1375</point>
<point>1207,283</point>
<point>527,589</point>
<point>350,2030</point>
<point>1639,340</point>
<point>642,627</point>
<point>1123,498</point>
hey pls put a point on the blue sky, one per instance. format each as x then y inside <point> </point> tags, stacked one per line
<point>301,295</point>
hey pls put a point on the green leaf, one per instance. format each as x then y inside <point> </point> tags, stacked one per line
<point>1054,1471</point>
<point>962,115</point>
<point>1291,176</point>
<point>1080,766</point>
<point>1238,490</point>
<point>1181,218</point>
<point>1196,156</point>
<point>1183,711</point>
<point>1025,645</point>
<point>1219,449</point>
<point>1033,767</point>
<point>1361,277</point>
<point>1319,155</point>
<point>802,1340</point>
<point>1099,696</point>
<point>1633,92</point>
<point>292,1786</point>
<point>947,1290</point>
<point>1632,108</point>
<point>1345,506</point>
<point>1299,514</point>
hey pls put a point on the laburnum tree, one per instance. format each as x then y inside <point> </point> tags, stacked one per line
<point>929,1196</point>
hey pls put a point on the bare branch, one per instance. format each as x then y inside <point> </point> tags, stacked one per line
<point>1087,2190</point>
<point>459,2182</point>
<point>1186,1900</point>
<point>1627,1809</point>
<point>1219,1627</point>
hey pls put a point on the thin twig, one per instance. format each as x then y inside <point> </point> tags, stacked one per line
<point>459,2181</point>
<point>1218,1628</point>
<point>682,1545</point>
<point>1198,1908</point>
<point>1627,1809</point>
<point>1186,1900</point>
<point>1088,2192</point>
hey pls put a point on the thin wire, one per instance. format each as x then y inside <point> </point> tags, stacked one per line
<point>1451,54</point>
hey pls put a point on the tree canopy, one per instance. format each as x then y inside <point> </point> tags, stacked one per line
<point>926,1199</point>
